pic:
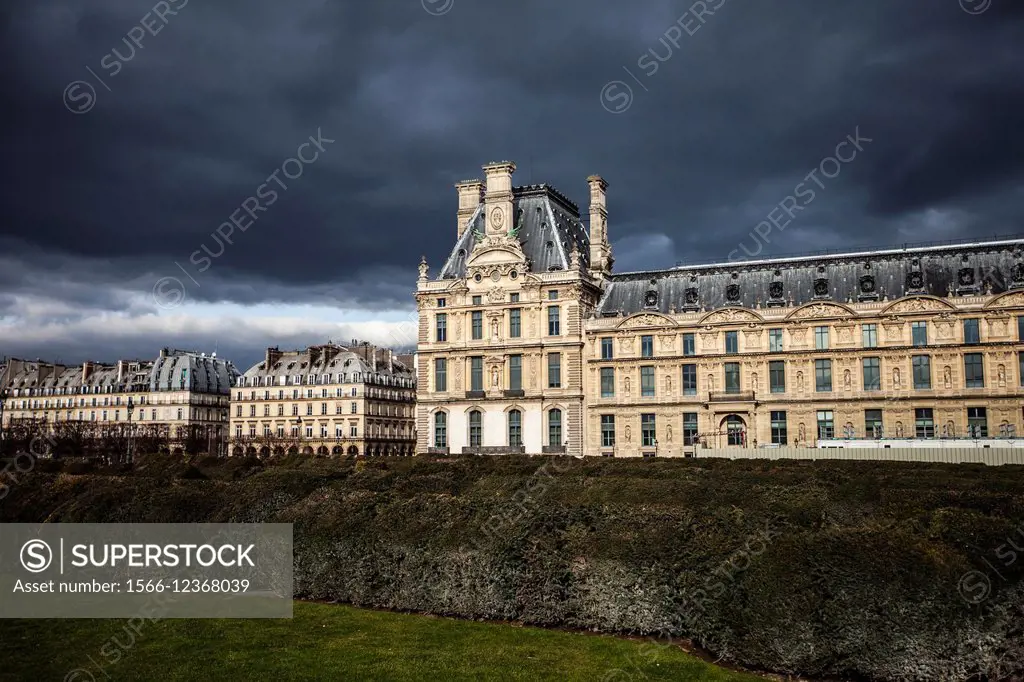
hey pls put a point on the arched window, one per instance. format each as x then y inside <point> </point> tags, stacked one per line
<point>736,429</point>
<point>515,428</point>
<point>476,429</point>
<point>440,429</point>
<point>554,427</point>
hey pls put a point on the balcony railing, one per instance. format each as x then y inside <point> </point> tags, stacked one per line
<point>731,397</point>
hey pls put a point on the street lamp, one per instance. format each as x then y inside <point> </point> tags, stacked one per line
<point>131,408</point>
<point>655,447</point>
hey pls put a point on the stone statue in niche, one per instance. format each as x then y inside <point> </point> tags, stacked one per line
<point>753,382</point>
<point>668,383</point>
<point>495,376</point>
<point>801,433</point>
<point>628,433</point>
<point>1001,375</point>
<point>896,377</point>
<point>711,382</point>
<point>947,377</point>
<point>899,429</point>
<point>669,434</point>
<point>800,382</point>
<point>847,380</point>
<point>625,387</point>
<point>494,328</point>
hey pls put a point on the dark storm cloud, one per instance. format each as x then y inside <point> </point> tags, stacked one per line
<point>108,202</point>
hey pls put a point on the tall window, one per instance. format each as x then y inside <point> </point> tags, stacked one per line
<point>554,427</point>
<point>872,374</point>
<point>1020,367</point>
<point>689,379</point>
<point>476,429</point>
<point>441,322</point>
<point>777,376</point>
<point>553,324</point>
<point>821,338</point>
<point>607,382</point>
<point>607,351</point>
<point>869,335</point>
<point>924,423</point>
<point>822,376</point>
<point>554,370</point>
<point>476,373</point>
<point>689,347</point>
<point>648,430</point>
<point>647,381</point>
<point>515,372</point>
<point>919,333</point>
<point>977,422</point>
<point>607,430</point>
<point>732,377</point>
<point>689,428</point>
<point>477,317</point>
<point>775,340</point>
<point>971,333</point>
<point>826,424</point>
<point>974,370</point>
<point>515,327</point>
<point>872,423</point>
<point>440,374</point>
<point>647,346</point>
<point>732,344</point>
<point>922,365</point>
<point>1020,327</point>
<point>515,428</point>
<point>779,430</point>
<point>440,429</point>
<point>735,430</point>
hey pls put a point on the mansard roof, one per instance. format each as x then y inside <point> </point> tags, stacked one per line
<point>853,277</point>
<point>551,227</point>
<point>188,370</point>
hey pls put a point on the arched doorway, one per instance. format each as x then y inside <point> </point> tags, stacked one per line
<point>337,450</point>
<point>264,451</point>
<point>293,450</point>
<point>735,430</point>
<point>322,450</point>
<point>238,451</point>
<point>308,450</point>
<point>278,450</point>
<point>251,451</point>
<point>353,451</point>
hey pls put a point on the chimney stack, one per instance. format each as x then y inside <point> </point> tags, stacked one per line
<point>273,355</point>
<point>600,250</point>
<point>120,372</point>
<point>86,371</point>
<point>498,197</point>
<point>471,193</point>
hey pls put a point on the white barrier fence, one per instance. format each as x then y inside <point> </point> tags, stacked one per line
<point>948,455</point>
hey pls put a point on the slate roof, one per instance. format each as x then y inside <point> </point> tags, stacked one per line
<point>332,359</point>
<point>177,370</point>
<point>849,277</point>
<point>551,227</point>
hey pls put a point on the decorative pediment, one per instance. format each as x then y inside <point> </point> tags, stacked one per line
<point>1014,299</point>
<point>916,304</point>
<point>818,310</point>
<point>729,315</point>
<point>645,320</point>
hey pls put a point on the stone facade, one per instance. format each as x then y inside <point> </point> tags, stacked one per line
<point>915,342</point>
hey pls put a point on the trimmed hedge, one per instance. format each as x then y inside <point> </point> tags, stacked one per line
<point>822,568</point>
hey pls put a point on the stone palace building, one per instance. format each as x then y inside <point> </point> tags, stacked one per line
<point>528,342</point>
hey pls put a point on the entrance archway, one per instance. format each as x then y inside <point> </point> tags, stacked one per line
<point>735,429</point>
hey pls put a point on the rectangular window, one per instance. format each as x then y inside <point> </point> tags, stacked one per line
<point>607,430</point>
<point>689,428</point>
<point>647,346</point>
<point>922,365</point>
<point>554,370</point>
<point>779,431</point>
<point>440,375</point>
<point>872,423</point>
<point>607,382</point>
<point>872,374</point>
<point>732,377</point>
<point>647,381</point>
<point>826,424</point>
<point>555,428</point>
<point>515,372</point>
<point>477,323</point>
<point>777,376</point>
<point>513,297</point>
<point>869,335</point>
<point>1020,327</point>
<point>515,428</point>
<point>515,325</point>
<point>606,348</point>
<point>775,340</point>
<point>477,300</point>
<point>441,321</point>
<point>919,333</point>
<point>924,423</point>
<point>441,302</point>
<point>821,338</point>
<point>648,430</point>
<point>977,422</point>
<point>822,376</point>
<point>974,370</point>
<point>476,373</point>
<point>971,333</point>
<point>1020,367</point>
<point>689,379</point>
<point>553,295</point>
<point>689,347</point>
<point>476,429</point>
<point>732,344</point>
<point>554,328</point>
<point>354,408</point>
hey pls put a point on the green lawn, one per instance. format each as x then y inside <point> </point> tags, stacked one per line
<point>332,643</point>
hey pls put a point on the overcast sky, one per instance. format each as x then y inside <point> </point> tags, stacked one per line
<point>121,161</point>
